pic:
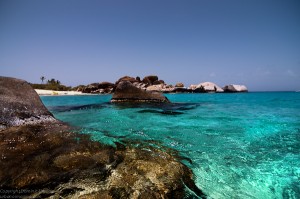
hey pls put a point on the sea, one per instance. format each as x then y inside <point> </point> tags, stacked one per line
<point>239,145</point>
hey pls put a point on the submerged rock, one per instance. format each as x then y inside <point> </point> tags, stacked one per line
<point>52,160</point>
<point>235,88</point>
<point>127,92</point>
<point>151,173</point>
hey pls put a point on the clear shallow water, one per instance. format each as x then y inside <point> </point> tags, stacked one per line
<point>244,145</point>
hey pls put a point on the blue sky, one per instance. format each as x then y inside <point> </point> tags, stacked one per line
<point>251,42</point>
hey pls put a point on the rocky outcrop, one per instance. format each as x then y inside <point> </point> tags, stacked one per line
<point>20,104</point>
<point>106,85</point>
<point>157,88</point>
<point>128,78</point>
<point>149,80</point>
<point>91,88</point>
<point>127,92</point>
<point>232,88</point>
<point>96,88</point>
<point>152,83</point>
<point>179,85</point>
<point>51,160</point>
<point>158,82</point>
<point>206,87</point>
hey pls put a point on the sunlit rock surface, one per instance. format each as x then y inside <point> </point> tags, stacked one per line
<point>209,87</point>
<point>235,88</point>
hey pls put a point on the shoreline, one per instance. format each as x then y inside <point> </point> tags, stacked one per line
<point>42,92</point>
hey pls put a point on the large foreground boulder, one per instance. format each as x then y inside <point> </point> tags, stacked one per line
<point>232,88</point>
<point>20,104</point>
<point>49,159</point>
<point>127,92</point>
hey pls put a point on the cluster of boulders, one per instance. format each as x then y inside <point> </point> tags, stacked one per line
<point>153,83</point>
<point>102,88</point>
<point>48,159</point>
<point>209,87</point>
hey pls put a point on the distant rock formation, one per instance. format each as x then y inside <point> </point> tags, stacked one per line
<point>157,88</point>
<point>179,85</point>
<point>127,92</point>
<point>158,82</point>
<point>127,78</point>
<point>96,88</point>
<point>153,83</point>
<point>91,88</point>
<point>149,80</point>
<point>207,87</point>
<point>232,88</point>
<point>47,157</point>
<point>106,87</point>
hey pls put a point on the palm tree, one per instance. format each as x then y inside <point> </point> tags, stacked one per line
<point>42,78</point>
<point>52,81</point>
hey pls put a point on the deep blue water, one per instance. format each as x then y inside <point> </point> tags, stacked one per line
<point>244,145</point>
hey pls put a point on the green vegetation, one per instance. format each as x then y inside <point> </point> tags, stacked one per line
<point>51,85</point>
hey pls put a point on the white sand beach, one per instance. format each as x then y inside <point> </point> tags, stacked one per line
<point>52,92</point>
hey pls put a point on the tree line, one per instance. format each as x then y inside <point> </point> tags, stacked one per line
<point>51,84</point>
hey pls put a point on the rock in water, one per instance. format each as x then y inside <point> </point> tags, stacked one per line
<point>20,104</point>
<point>127,92</point>
<point>232,88</point>
<point>209,87</point>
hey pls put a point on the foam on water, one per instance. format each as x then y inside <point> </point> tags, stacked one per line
<point>243,145</point>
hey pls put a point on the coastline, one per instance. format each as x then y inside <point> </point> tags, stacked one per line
<point>42,92</point>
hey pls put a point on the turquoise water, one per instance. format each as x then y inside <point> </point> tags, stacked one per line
<point>244,145</point>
